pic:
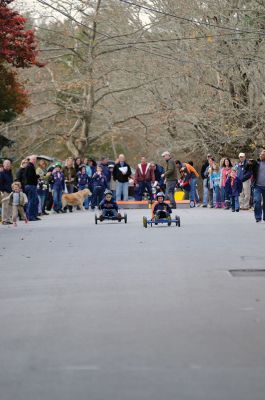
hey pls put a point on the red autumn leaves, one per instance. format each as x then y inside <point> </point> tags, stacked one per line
<point>18,49</point>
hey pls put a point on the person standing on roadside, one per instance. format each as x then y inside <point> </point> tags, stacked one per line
<point>77,164</point>
<point>193,175</point>
<point>170,177</point>
<point>69,172</point>
<point>31,182</point>
<point>104,163</point>
<point>42,188</point>
<point>20,174</point>
<point>6,180</point>
<point>226,168</point>
<point>144,177</point>
<point>209,170</point>
<point>158,171</point>
<point>205,181</point>
<point>244,173</point>
<point>121,174</point>
<point>258,169</point>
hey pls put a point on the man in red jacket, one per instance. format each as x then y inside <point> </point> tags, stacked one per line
<point>144,177</point>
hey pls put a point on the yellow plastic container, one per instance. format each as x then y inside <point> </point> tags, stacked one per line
<point>179,195</point>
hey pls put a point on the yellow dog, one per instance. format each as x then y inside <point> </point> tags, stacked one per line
<point>75,199</point>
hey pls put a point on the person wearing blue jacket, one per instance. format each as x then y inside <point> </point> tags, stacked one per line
<point>161,209</point>
<point>159,171</point>
<point>105,169</point>
<point>99,185</point>
<point>83,182</point>
<point>233,188</point>
<point>108,206</point>
<point>57,185</point>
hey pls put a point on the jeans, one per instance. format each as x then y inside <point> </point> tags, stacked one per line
<point>57,199</point>
<point>33,201</point>
<point>86,202</point>
<point>245,195</point>
<point>141,188</point>
<point>225,197</point>
<point>109,213</point>
<point>205,192</point>
<point>259,192</point>
<point>42,197</point>
<point>235,203</point>
<point>97,196</point>
<point>211,197</point>
<point>218,197</point>
<point>193,182</point>
<point>122,191</point>
<point>170,191</point>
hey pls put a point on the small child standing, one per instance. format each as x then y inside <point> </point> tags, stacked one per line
<point>99,185</point>
<point>233,188</point>
<point>57,184</point>
<point>17,200</point>
<point>83,182</point>
<point>215,178</point>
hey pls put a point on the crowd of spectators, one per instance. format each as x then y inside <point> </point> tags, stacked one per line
<point>37,186</point>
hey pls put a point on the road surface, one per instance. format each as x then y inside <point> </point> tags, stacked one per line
<point>119,312</point>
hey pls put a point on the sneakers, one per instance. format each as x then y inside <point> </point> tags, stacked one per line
<point>6,223</point>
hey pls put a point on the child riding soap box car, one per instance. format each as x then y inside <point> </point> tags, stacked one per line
<point>109,209</point>
<point>161,213</point>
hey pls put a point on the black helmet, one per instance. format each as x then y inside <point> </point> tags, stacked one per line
<point>160,194</point>
<point>107,191</point>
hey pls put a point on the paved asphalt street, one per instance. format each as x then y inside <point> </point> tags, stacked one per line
<point>119,312</point>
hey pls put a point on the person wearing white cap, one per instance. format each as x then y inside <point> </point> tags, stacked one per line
<point>244,173</point>
<point>170,176</point>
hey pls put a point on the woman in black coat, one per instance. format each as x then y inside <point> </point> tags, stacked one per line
<point>20,173</point>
